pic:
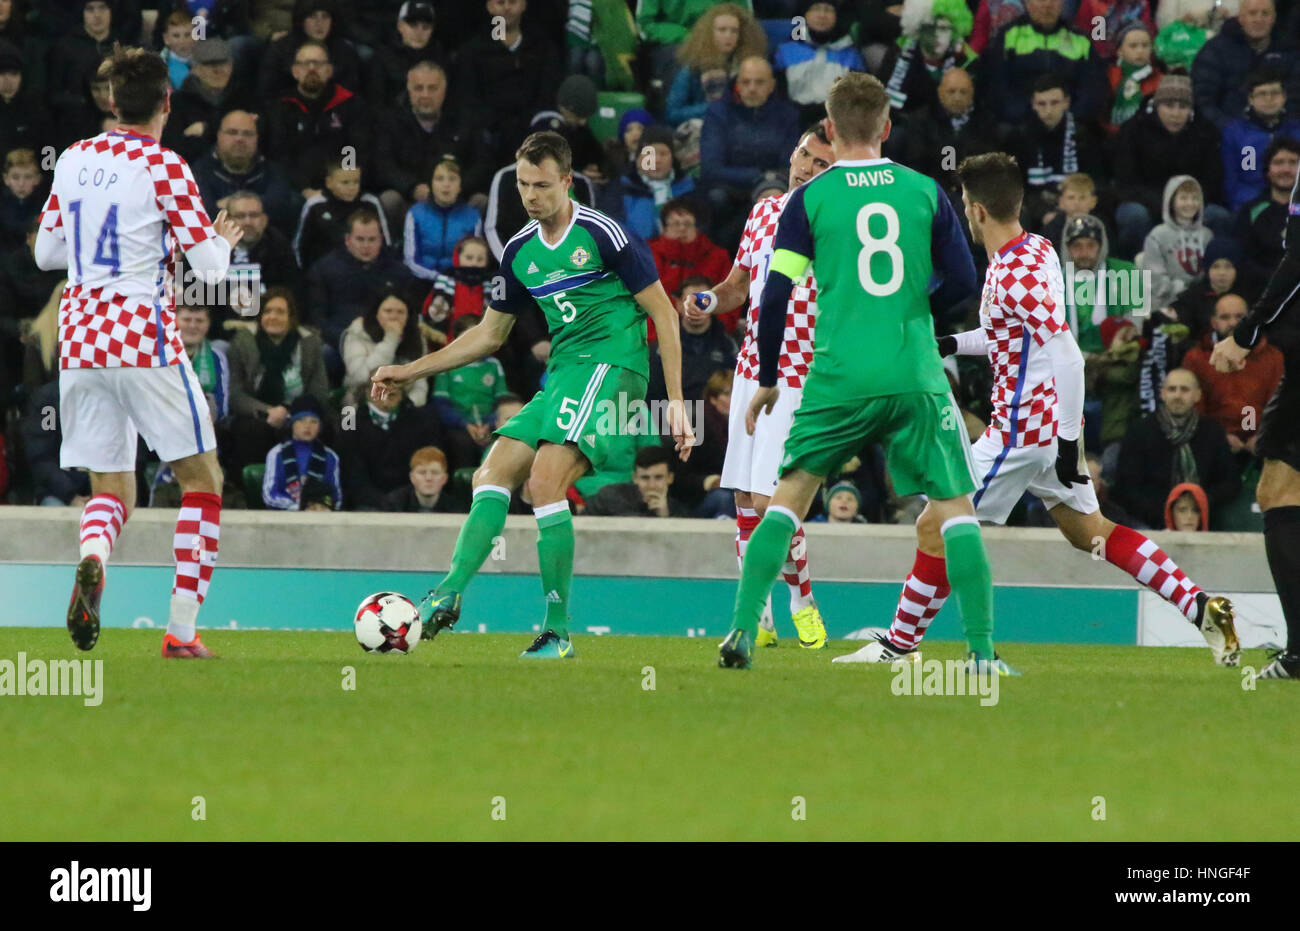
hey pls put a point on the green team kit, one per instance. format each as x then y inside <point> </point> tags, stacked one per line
<point>585,286</point>
<point>880,234</point>
<point>874,296</point>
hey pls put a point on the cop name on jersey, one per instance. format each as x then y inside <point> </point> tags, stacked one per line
<point>98,179</point>
<point>870,178</point>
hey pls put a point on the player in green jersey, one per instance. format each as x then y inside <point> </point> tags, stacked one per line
<point>878,232</point>
<point>595,283</point>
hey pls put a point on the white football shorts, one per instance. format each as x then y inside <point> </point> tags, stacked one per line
<point>103,410</point>
<point>1005,473</point>
<point>753,463</point>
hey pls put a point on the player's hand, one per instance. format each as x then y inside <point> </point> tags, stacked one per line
<point>763,402</point>
<point>1067,463</point>
<point>228,229</point>
<point>387,378</point>
<point>683,435</point>
<point>698,306</point>
<point>947,345</point>
<point>1228,356</point>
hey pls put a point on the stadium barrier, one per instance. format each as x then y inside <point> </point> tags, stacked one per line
<point>308,571</point>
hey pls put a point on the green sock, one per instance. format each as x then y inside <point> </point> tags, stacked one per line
<point>972,580</point>
<point>764,557</point>
<point>555,561</point>
<point>486,520</point>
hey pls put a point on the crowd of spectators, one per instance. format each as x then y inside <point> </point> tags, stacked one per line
<point>366,149</point>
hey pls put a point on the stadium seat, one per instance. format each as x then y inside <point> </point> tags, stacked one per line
<point>462,483</point>
<point>252,477</point>
<point>610,107</point>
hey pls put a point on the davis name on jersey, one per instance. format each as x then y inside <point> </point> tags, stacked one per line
<point>126,207</point>
<point>1021,308</point>
<point>755,257</point>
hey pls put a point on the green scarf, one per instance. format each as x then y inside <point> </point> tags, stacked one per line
<point>1128,95</point>
<point>1179,430</point>
<point>205,367</point>
<point>277,359</point>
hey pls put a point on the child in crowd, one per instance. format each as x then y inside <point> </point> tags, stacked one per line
<point>435,228</point>
<point>1133,77</point>
<point>843,502</point>
<point>1173,250</point>
<point>461,290</point>
<point>323,224</point>
<point>21,200</point>
<point>300,461</point>
<point>1187,508</point>
<point>179,43</point>
<point>1078,194</point>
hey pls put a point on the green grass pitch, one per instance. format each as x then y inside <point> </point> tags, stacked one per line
<point>580,750</point>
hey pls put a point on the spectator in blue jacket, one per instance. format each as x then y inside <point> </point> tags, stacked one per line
<point>651,181</point>
<point>811,65</point>
<point>1246,138</point>
<point>745,134</point>
<point>435,226</point>
<point>1246,43</point>
<point>300,460</point>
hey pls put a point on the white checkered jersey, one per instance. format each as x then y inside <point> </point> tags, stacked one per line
<point>755,257</point>
<point>127,208</point>
<point>1021,308</point>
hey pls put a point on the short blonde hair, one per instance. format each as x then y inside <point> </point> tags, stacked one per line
<point>1080,182</point>
<point>20,158</point>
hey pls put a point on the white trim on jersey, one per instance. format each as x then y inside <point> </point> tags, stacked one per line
<point>615,232</point>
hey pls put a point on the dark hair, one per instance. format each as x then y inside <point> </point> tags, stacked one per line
<point>817,129</point>
<point>540,146</point>
<point>648,456</point>
<point>1050,82</point>
<point>363,214</point>
<point>994,180</point>
<point>140,83</point>
<point>1263,76</point>
<point>411,345</point>
<point>287,296</point>
<point>1280,144</point>
<point>678,205</point>
<point>507,398</point>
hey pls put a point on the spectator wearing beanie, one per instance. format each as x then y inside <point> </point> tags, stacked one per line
<point>318,20</point>
<point>1132,78</point>
<point>576,103</point>
<point>843,504</point>
<point>648,184</point>
<point>623,149</point>
<point>410,42</point>
<point>1163,140</point>
<point>301,459</point>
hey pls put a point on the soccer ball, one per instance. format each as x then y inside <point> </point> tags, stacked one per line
<point>387,622</point>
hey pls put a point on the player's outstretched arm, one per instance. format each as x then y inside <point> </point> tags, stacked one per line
<point>655,302</point>
<point>725,297</point>
<point>475,343</point>
<point>967,343</point>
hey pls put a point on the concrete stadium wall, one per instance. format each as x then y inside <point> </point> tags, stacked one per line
<point>636,576</point>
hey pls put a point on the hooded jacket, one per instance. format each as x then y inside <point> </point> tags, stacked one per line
<point>1173,251</point>
<point>1196,492</point>
<point>276,76</point>
<point>1220,69</point>
<point>301,134</point>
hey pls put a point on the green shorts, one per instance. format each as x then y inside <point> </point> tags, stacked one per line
<point>588,406</point>
<point>927,449</point>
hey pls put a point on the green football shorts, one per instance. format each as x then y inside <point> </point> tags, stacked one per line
<point>926,445</point>
<point>588,406</point>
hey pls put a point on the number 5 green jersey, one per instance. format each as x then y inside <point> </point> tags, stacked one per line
<point>879,233</point>
<point>584,285</point>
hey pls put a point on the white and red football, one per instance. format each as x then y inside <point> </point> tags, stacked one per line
<point>387,622</point>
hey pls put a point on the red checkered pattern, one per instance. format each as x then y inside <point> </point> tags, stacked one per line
<point>111,320</point>
<point>795,572</point>
<point>924,593</point>
<point>755,256</point>
<point>1023,300</point>
<point>198,531</point>
<point>103,516</point>
<point>1137,555</point>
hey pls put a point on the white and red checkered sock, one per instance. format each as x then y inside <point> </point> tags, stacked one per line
<point>1137,555</point>
<point>796,573</point>
<point>101,521</point>
<point>198,531</point>
<point>924,593</point>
